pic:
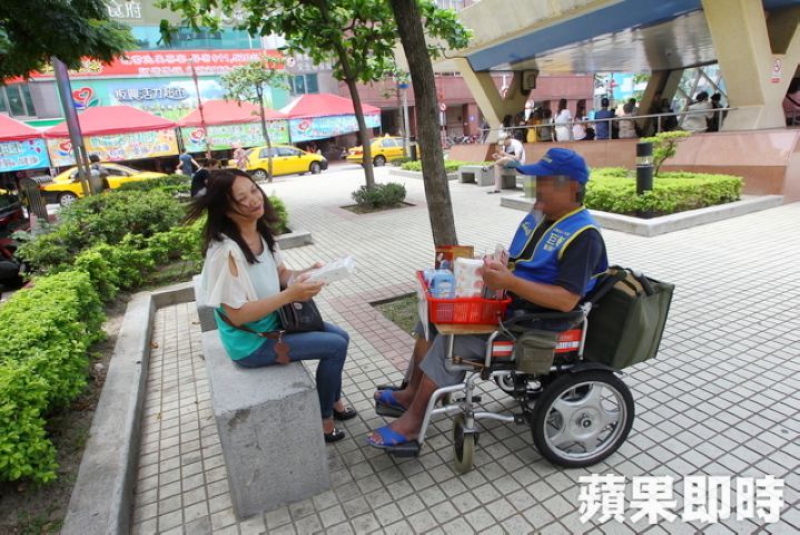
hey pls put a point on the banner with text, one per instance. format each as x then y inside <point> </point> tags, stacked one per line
<point>309,128</point>
<point>21,155</point>
<point>118,148</point>
<point>226,136</point>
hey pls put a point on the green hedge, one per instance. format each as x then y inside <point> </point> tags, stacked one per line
<point>179,185</point>
<point>450,166</point>
<point>382,196</point>
<point>614,190</point>
<point>46,331</point>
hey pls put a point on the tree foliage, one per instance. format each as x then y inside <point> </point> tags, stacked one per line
<point>356,36</point>
<point>31,31</point>
<point>248,84</point>
<point>665,145</point>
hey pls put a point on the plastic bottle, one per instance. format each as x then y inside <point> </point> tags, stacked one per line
<point>443,284</point>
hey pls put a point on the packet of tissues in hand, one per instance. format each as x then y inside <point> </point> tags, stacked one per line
<point>339,269</point>
<point>469,281</point>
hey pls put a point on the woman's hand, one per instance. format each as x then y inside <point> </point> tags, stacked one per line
<point>301,289</point>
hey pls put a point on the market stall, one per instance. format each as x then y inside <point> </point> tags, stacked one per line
<point>115,133</point>
<point>21,147</point>
<point>228,123</point>
<point>323,115</point>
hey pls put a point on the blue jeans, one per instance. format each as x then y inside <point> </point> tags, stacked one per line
<point>329,347</point>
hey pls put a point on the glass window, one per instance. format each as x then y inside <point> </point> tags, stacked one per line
<point>312,85</point>
<point>15,102</point>
<point>3,105</point>
<point>300,85</point>
<point>114,171</point>
<point>26,96</point>
<point>264,153</point>
<point>287,152</point>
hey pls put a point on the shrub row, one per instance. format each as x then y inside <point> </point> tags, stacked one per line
<point>382,196</point>
<point>46,331</point>
<point>614,190</point>
<point>450,166</point>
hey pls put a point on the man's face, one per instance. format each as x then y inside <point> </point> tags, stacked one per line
<point>555,195</point>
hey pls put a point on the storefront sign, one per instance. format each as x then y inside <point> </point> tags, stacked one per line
<point>227,136</point>
<point>151,93</point>
<point>117,148</point>
<point>323,127</point>
<point>21,155</point>
<point>124,10</point>
<point>167,63</point>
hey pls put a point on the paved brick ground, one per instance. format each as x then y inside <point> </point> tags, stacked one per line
<point>722,399</point>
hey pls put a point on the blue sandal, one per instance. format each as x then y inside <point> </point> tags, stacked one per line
<point>389,438</point>
<point>387,405</point>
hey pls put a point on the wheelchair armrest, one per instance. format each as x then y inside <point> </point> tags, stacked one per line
<point>573,316</point>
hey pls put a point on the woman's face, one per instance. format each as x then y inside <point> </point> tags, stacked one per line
<point>248,201</point>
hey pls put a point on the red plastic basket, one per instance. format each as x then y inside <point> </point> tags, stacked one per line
<point>463,310</point>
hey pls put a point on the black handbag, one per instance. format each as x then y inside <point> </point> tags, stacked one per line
<point>301,317</point>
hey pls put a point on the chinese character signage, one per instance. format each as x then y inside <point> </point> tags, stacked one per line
<point>321,127</point>
<point>124,10</point>
<point>226,136</point>
<point>22,155</point>
<point>149,63</point>
<point>118,147</point>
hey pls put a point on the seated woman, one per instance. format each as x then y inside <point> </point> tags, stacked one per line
<point>245,279</point>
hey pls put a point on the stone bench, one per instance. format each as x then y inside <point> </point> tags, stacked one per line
<point>474,174</point>
<point>269,426</point>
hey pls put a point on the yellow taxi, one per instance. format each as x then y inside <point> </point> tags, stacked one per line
<point>286,160</point>
<point>384,149</point>
<point>66,187</point>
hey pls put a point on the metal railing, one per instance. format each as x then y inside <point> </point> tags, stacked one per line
<point>642,122</point>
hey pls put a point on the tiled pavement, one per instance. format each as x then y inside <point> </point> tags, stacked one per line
<point>722,399</point>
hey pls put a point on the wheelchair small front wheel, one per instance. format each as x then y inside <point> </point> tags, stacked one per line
<point>582,418</point>
<point>463,446</point>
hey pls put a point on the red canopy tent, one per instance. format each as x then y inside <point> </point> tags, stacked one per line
<point>324,104</point>
<point>219,112</point>
<point>110,120</point>
<point>13,130</point>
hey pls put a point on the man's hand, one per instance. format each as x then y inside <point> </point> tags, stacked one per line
<point>496,275</point>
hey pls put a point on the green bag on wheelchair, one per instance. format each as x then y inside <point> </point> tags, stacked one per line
<point>626,324</point>
<point>534,351</point>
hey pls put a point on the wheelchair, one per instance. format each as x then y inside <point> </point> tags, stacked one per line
<point>579,412</point>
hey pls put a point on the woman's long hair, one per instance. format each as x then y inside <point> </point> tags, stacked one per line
<point>218,201</point>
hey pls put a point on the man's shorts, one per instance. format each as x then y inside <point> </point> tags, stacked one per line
<point>512,165</point>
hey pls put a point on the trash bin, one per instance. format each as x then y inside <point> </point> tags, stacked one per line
<point>33,196</point>
<point>413,152</point>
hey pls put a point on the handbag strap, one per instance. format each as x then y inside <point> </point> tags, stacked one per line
<point>272,335</point>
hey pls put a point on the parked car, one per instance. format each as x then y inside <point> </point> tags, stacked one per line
<point>65,187</point>
<point>384,149</point>
<point>286,160</point>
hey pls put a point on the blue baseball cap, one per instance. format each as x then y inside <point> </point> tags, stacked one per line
<point>558,161</point>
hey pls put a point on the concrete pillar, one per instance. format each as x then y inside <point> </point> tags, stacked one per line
<point>662,84</point>
<point>489,99</point>
<point>742,41</point>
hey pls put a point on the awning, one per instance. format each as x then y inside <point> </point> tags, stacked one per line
<point>322,105</point>
<point>219,112</point>
<point>110,120</point>
<point>13,130</point>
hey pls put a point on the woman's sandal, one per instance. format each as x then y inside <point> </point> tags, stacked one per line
<point>334,436</point>
<point>347,414</point>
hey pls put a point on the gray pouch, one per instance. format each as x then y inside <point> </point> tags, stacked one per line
<point>534,351</point>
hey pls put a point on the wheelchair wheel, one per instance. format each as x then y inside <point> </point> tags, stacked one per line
<point>505,382</point>
<point>463,446</point>
<point>582,418</point>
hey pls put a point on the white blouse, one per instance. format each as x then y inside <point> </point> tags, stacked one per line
<point>220,285</point>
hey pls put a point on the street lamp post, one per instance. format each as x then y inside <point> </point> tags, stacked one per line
<point>200,108</point>
<point>73,126</point>
<point>644,172</point>
<point>403,86</point>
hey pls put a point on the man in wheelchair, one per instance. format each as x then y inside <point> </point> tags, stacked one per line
<point>555,258</point>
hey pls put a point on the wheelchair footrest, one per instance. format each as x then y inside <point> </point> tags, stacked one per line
<point>409,449</point>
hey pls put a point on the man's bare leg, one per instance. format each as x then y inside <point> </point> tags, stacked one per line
<point>421,347</point>
<point>410,422</point>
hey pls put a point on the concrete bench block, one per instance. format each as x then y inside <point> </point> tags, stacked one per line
<point>270,430</point>
<point>474,174</point>
<point>205,313</point>
<point>508,179</point>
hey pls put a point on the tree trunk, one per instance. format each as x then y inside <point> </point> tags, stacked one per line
<point>437,192</point>
<point>366,138</point>
<point>265,131</point>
